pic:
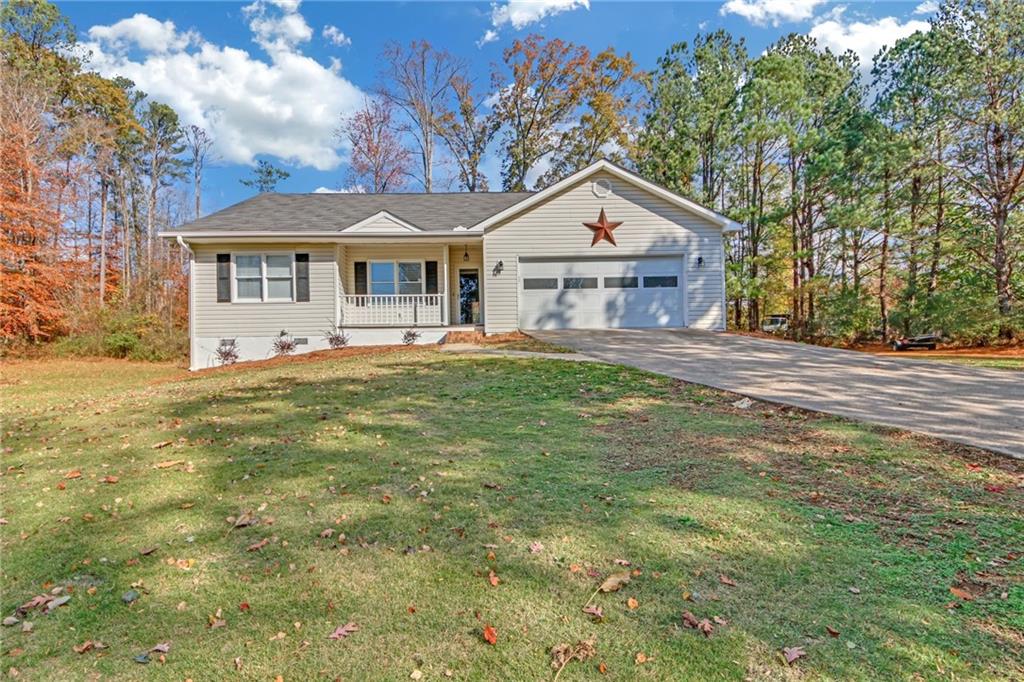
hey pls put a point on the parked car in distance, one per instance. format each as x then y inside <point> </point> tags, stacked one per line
<point>929,341</point>
<point>775,324</point>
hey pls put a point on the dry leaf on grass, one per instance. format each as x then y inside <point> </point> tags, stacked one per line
<point>161,444</point>
<point>703,625</point>
<point>726,580</point>
<point>831,631</point>
<point>594,611</point>
<point>493,578</point>
<point>343,631</point>
<point>490,635</point>
<point>632,603</point>
<point>73,474</point>
<point>561,654</point>
<point>257,546</point>
<point>792,653</point>
<point>614,582</point>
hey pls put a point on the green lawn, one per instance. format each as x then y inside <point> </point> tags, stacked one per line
<point>431,471</point>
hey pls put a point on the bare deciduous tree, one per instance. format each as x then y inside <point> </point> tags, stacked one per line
<point>379,161</point>
<point>417,78</point>
<point>198,143</point>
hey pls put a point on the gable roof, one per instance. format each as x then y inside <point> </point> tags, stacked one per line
<point>324,215</point>
<point>327,213</point>
<point>727,224</point>
<point>382,222</point>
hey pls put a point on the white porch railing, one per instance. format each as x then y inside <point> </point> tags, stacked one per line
<point>402,310</point>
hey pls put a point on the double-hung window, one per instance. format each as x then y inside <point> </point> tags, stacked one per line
<point>264,277</point>
<point>396,277</point>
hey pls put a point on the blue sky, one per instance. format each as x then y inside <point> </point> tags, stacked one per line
<point>270,78</point>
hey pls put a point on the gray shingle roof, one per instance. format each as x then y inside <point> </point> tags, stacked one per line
<point>335,212</point>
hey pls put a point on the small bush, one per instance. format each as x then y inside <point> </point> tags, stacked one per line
<point>410,336</point>
<point>227,352</point>
<point>336,337</point>
<point>284,344</point>
<point>120,333</point>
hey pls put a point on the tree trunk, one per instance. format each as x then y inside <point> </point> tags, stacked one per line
<point>882,274</point>
<point>103,241</point>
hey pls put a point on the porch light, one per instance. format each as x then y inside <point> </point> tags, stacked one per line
<point>700,262</point>
<point>465,254</point>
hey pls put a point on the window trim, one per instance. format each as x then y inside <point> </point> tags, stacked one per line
<point>264,286</point>
<point>396,280</point>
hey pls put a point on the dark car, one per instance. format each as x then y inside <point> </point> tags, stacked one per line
<point>929,341</point>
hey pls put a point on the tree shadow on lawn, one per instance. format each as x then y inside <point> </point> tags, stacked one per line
<point>511,452</point>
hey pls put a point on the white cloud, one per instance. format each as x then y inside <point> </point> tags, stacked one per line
<point>277,31</point>
<point>771,11</point>
<point>145,32</point>
<point>927,7</point>
<point>287,106</point>
<point>351,189</point>
<point>521,13</point>
<point>336,36</point>
<point>865,38</point>
<point>489,37</point>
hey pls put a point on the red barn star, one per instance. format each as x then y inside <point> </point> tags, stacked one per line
<point>603,229</point>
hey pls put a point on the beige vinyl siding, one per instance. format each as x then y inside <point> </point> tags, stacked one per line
<point>651,226</point>
<point>384,225</point>
<point>392,252</point>
<point>229,320</point>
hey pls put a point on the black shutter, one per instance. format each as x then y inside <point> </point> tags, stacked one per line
<point>302,277</point>
<point>431,280</point>
<point>360,277</point>
<point>223,278</point>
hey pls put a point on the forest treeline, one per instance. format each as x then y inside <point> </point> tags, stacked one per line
<point>876,200</point>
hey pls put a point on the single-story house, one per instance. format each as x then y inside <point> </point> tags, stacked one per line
<point>602,248</point>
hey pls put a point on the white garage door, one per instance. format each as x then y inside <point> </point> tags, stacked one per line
<point>600,294</point>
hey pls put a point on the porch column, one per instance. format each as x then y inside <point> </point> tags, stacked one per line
<point>443,288</point>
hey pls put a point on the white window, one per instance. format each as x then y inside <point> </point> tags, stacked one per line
<point>396,277</point>
<point>264,277</point>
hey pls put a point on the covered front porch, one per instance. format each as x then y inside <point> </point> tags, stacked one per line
<point>396,284</point>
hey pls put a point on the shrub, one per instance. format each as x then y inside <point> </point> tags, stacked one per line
<point>121,333</point>
<point>227,352</point>
<point>336,337</point>
<point>284,344</point>
<point>410,336</point>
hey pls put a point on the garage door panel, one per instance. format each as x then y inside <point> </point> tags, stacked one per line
<point>601,294</point>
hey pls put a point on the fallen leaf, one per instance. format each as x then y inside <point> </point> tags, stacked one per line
<point>148,550</point>
<point>793,653</point>
<point>854,590</point>
<point>257,546</point>
<point>416,675</point>
<point>52,605</point>
<point>961,593</point>
<point>561,654</point>
<point>111,479</point>
<point>161,648</point>
<point>720,620</point>
<point>327,532</point>
<point>490,635</point>
<point>726,580</point>
<point>623,562</point>
<point>641,658</point>
<point>73,474</point>
<point>244,606</point>
<point>493,578</point>
<point>83,647</point>
<point>594,611</point>
<point>632,603</point>
<point>343,631</point>
<point>703,626</point>
<point>614,582</point>
<point>831,630</point>
<point>162,444</point>
<point>10,620</point>
<point>536,548</point>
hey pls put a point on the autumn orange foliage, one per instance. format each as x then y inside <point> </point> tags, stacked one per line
<point>31,276</point>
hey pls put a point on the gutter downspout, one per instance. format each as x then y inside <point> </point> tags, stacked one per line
<point>191,308</point>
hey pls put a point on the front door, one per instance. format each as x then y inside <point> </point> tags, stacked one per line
<point>469,297</point>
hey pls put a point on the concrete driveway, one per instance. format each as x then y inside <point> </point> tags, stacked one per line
<point>974,406</point>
